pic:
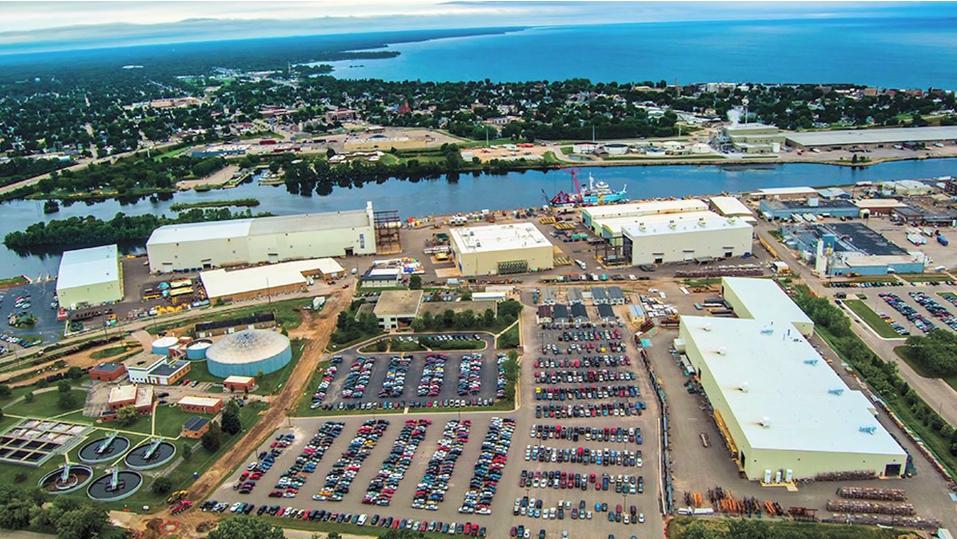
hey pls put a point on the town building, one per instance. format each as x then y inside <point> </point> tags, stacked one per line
<point>877,206</point>
<point>851,248</point>
<point>239,384</point>
<point>108,372</point>
<point>196,246</point>
<point>396,308</point>
<point>664,239</point>
<point>500,249</point>
<point>730,207</point>
<point>783,411</point>
<point>200,405</point>
<point>140,397</point>
<point>157,370</point>
<point>783,193</point>
<point>872,138</point>
<point>267,280</point>
<point>916,214</point>
<point>195,427</point>
<point>753,138</point>
<point>785,209</point>
<point>90,277</point>
<point>381,278</point>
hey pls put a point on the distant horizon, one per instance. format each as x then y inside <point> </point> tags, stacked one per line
<point>120,25</point>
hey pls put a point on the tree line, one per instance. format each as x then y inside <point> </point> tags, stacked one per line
<point>935,353</point>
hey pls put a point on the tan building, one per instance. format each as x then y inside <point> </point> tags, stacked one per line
<point>397,307</point>
<point>89,277</point>
<point>500,249</point>
<point>268,280</point>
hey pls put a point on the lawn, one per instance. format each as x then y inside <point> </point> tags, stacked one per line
<point>511,338</point>
<point>924,277</point>
<point>947,295</point>
<point>45,404</point>
<point>287,314</point>
<point>904,353</point>
<point>10,282</point>
<point>112,351</point>
<point>876,323</point>
<point>787,528</point>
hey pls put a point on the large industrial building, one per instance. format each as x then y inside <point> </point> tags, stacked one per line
<point>396,308</point>
<point>88,277</point>
<point>685,237</point>
<point>870,138</point>
<point>263,239</point>
<point>851,248</point>
<point>812,205</point>
<point>596,217</point>
<point>268,280</point>
<point>753,138</point>
<point>784,412</point>
<point>250,352</point>
<point>500,249</point>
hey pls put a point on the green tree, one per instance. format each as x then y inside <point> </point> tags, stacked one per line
<point>83,522</point>
<point>5,391</point>
<point>415,282</point>
<point>231,423</point>
<point>63,387</point>
<point>161,486</point>
<point>213,438</point>
<point>697,530</point>
<point>74,373</point>
<point>246,527</point>
<point>66,401</point>
<point>28,397</point>
<point>187,451</point>
<point>127,415</point>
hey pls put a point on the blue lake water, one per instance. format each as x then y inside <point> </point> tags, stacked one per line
<point>477,192</point>
<point>917,48</point>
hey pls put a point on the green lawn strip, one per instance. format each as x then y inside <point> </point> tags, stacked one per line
<point>924,277</point>
<point>13,281</point>
<point>947,295</point>
<point>112,351</point>
<point>350,529</point>
<point>342,346</point>
<point>232,202</point>
<point>510,339</point>
<point>45,404</point>
<point>876,323</point>
<point>903,352</point>
<point>287,314</point>
<point>305,399</point>
<point>719,528</point>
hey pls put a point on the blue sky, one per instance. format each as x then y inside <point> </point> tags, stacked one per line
<point>31,26</point>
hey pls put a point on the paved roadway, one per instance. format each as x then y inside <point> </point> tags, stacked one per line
<point>934,391</point>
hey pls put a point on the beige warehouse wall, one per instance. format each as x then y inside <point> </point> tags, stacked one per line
<point>807,464</point>
<point>90,295</point>
<point>703,243</point>
<point>192,254</point>
<point>486,263</point>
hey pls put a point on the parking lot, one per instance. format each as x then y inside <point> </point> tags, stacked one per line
<point>392,380</point>
<point>910,313</point>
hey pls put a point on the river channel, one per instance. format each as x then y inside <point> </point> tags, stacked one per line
<point>476,192</point>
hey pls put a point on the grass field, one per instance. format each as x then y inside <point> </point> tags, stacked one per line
<point>876,323</point>
<point>719,528</point>
<point>45,404</point>
<point>511,338</point>
<point>287,313</point>
<point>112,351</point>
<point>9,282</point>
<point>924,277</point>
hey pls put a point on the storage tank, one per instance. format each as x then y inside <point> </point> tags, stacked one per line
<point>197,350</point>
<point>162,345</point>
<point>248,353</point>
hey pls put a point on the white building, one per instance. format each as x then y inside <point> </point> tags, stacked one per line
<point>730,207</point>
<point>782,409</point>
<point>262,239</point>
<point>594,217</point>
<point>268,280</point>
<point>90,277</point>
<point>500,249</point>
<point>763,299</point>
<point>585,147</point>
<point>661,239</point>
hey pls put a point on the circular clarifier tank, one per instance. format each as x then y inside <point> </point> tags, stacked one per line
<point>104,449</point>
<point>115,486</point>
<point>66,479</point>
<point>150,455</point>
<point>197,350</point>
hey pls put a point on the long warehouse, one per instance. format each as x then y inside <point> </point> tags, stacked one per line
<point>658,239</point>
<point>501,249</point>
<point>594,217</point>
<point>784,412</point>
<point>196,246</point>
<point>872,137</point>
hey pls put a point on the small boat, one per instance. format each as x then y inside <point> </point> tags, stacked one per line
<point>596,193</point>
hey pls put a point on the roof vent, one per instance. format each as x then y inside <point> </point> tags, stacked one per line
<point>765,422</point>
<point>767,330</point>
<point>810,362</point>
<point>744,387</point>
<point>706,327</point>
<point>837,391</point>
<point>869,429</point>
<point>722,351</point>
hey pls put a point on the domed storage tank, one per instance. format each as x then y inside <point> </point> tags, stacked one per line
<point>248,352</point>
<point>162,345</point>
<point>197,350</point>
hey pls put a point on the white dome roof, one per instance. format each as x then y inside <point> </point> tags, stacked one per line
<point>248,346</point>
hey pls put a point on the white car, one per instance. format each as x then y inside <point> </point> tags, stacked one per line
<point>641,518</point>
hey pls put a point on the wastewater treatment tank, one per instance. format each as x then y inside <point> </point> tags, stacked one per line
<point>162,345</point>
<point>248,353</point>
<point>65,479</point>
<point>104,449</point>
<point>150,455</point>
<point>115,486</point>
<point>197,350</point>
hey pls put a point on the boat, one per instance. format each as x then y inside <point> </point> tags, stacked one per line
<point>595,193</point>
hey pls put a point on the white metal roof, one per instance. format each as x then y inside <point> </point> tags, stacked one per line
<point>777,191</point>
<point>213,230</point>
<point>193,400</point>
<point>481,239</point>
<point>765,300</point>
<point>657,225</point>
<point>84,267</point>
<point>647,207</point>
<point>879,203</point>
<point>221,283</point>
<point>122,393</point>
<point>874,136</point>
<point>781,392</point>
<point>248,346</point>
<point>730,206</point>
